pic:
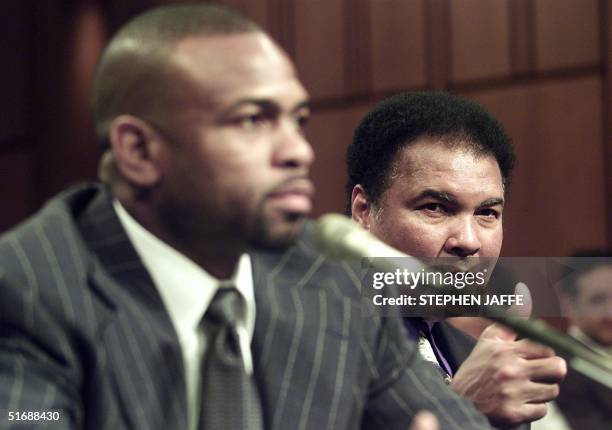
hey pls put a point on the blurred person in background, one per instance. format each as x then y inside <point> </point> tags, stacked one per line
<point>586,298</point>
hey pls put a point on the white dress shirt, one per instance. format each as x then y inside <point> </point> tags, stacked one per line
<point>187,290</point>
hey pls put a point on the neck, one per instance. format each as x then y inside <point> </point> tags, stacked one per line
<point>218,258</point>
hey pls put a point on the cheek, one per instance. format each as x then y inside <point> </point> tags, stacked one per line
<point>411,237</point>
<point>492,242</point>
<point>598,327</point>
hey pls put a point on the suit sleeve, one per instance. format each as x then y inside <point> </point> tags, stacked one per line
<point>404,384</point>
<point>37,365</point>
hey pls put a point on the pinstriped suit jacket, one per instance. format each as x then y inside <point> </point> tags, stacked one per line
<point>83,330</point>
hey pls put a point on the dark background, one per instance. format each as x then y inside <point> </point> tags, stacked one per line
<point>541,66</point>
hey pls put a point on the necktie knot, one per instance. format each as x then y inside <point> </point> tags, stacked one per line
<point>225,307</point>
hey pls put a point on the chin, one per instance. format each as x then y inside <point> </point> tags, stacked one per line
<point>277,235</point>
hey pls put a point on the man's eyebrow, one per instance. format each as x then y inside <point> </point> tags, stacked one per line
<point>450,198</point>
<point>266,104</point>
<point>438,195</point>
<point>491,202</point>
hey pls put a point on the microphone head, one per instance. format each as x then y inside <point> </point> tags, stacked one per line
<point>340,237</point>
<point>329,231</point>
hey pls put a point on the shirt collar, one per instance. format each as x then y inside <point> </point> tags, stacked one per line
<point>186,289</point>
<point>577,333</point>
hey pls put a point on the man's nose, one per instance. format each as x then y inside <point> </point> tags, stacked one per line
<point>292,150</point>
<point>463,239</point>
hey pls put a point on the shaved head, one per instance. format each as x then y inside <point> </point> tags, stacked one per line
<point>136,74</point>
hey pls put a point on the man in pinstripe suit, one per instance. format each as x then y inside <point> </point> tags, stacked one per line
<point>103,291</point>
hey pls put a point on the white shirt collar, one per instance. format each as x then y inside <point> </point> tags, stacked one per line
<point>577,333</point>
<point>185,287</point>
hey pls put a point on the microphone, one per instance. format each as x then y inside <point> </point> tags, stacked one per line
<point>340,238</point>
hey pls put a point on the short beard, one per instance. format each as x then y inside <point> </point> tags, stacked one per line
<point>265,236</point>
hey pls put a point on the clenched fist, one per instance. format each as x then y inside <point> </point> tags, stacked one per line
<point>509,381</point>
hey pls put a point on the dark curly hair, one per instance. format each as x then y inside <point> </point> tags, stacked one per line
<point>405,117</point>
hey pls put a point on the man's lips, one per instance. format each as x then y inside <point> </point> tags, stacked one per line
<point>295,196</point>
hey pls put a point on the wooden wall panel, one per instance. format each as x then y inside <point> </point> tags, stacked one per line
<point>557,202</point>
<point>567,33</point>
<point>480,35</point>
<point>16,188</point>
<point>16,72</point>
<point>522,48</point>
<point>256,9</point>
<point>397,44</point>
<point>319,41</point>
<point>67,151</point>
<point>330,133</point>
<point>85,43</point>
<point>606,25</point>
<point>437,13</point>
<point>350,53</point>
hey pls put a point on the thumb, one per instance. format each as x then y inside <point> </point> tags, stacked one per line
<point>424,420</point>
<point>498,332</point>
<point>525,309</point>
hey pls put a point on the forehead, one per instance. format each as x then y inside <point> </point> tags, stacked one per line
<point>454,168</point>
<point>596,279</point>
<point>239,65</point>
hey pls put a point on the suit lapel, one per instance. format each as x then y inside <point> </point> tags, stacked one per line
<point>140,345</point>
<point>301,338</point>
<point>454,344</point>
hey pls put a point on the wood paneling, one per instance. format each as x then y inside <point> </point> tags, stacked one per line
<point>556,202</point>
<point>256,9</point>
<point>16,188</point>
<point>16,72</point>
<point>397,44</point>
<point>438,51</point>
<point>480,34</point>
<point>567,33</point>
<point>357,47</point>
<point>67,151</point>
<point>522,50</point>
<point>543,66</point>
<point>319,41</point>
<point>330,133</point>
<point>606,25</point>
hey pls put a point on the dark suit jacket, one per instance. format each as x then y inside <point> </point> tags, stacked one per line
<point>585,404</point>
<point>83,330</point>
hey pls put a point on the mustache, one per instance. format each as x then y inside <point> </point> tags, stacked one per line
<point>300,182</point>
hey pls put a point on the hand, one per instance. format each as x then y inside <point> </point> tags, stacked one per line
<point>509,381</point>
<point>424,420</point>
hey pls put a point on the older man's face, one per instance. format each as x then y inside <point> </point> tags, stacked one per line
<point>241,174</point>
<point>442,202</point>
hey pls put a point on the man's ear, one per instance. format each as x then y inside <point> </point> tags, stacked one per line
<point>131,141</point>
<point>361,207</point>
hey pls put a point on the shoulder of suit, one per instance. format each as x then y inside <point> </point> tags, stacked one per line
<point>64,207</point>
<point>43,264</point>
<point>38,244</point>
